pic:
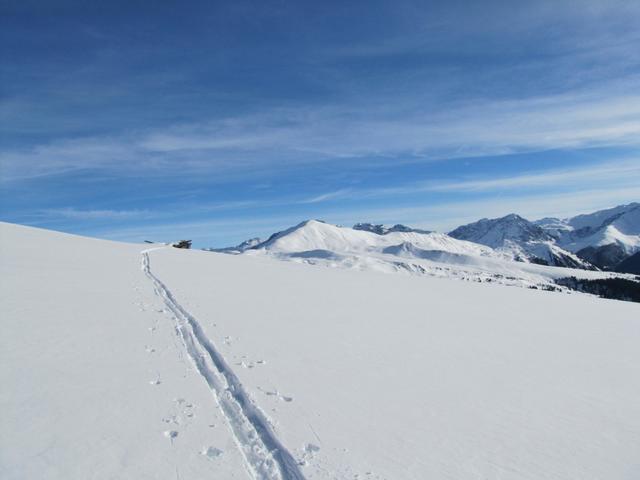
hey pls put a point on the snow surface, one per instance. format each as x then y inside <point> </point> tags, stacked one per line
<point>124,361</point>
<point>94,379</point>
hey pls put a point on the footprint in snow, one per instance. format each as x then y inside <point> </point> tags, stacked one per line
<point>311,448</point>
<point>250,364</point>
<point>275,393</point>
<point>211,452</point>
<point>183,408</point>
<point>308,452</point>
<point>171,435</point>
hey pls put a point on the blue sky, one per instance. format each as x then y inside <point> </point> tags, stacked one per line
<point>220,121</point>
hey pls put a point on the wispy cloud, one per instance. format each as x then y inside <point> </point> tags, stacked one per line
<point>398,131</point>
<point>327,196</point>
<point>615,174</point>
<point>78,214</point>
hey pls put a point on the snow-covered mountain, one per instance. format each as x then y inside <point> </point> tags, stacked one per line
<point>318,236</point>
<point>494,232</point>
<point>246,245</point>
<point>519,239</point>
<point>604,238</point>
<point>384,229</point>
<point>405,250</point>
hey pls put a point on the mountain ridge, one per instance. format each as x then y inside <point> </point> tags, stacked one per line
<point>598,240</point>
<point>520,238</point>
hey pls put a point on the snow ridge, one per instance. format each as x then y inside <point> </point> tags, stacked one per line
<point>266,457</point>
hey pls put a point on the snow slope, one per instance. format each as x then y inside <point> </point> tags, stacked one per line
<point>108,348</point>
<point>387,376</point>
<point>94,379</point>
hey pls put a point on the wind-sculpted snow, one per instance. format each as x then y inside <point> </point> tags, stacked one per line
<point>266,457</point>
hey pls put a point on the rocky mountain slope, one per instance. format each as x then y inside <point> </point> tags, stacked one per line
<point>519,239</point>
<point>604,238</point>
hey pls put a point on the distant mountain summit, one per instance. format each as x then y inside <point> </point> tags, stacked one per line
<point>318,236</point>
<point>246,245</point>
<point>604,238</point>
<point>520,239</point>
<point>495,232</point>
<point>383,229</point>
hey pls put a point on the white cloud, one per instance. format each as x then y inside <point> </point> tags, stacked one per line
<point>78,214</point>
<point>625,172</point>
<point>390,131</point>
<point>327,196</point>
<point>615,174</point>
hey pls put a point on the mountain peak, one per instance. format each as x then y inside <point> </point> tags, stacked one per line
<point>497,231</point>
<point>513,217</point>
<point>381,229</point>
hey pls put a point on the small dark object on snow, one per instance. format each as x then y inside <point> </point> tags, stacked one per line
<point>182,244</point>
<point>148,241</point>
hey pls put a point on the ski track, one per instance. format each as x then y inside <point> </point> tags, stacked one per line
<point>265,456</point>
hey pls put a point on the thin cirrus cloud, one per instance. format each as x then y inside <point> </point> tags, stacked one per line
<point>623,173</point>
<point>567,120</point>
<point>79,214</point>
<point>601,183</point>
<point>401,132</point>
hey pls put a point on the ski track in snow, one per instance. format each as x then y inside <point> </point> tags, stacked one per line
<point>266,457</point>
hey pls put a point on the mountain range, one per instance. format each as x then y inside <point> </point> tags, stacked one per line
<point>602,240</point>
<point>509,250</point>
